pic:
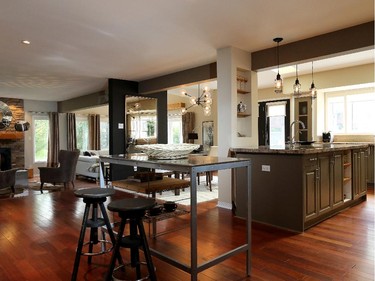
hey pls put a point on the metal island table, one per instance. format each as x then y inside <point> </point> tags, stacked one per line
<point>193,165</point>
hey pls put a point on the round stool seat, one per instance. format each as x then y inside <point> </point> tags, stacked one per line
<point>94,192</point>
<point>131,204</point>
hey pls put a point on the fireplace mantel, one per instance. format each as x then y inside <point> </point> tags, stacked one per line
<point>11,135</point>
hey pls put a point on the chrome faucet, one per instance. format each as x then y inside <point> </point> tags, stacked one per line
<point>292,139</point>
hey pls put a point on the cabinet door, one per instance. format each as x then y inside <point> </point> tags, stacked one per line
<point>362,158</point>
<point>337,179</point>
<point>303,112</point>
<point>325,193</point>
<point>359,171</point>
<point>310,189</point>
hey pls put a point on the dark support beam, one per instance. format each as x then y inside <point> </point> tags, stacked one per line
<point>188,76</point>
<point>359,37</point>
<point>86,101</point>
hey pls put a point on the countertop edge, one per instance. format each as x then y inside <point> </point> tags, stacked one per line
<point>302,150</point>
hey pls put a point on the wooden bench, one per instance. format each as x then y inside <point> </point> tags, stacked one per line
<point>151,187</point>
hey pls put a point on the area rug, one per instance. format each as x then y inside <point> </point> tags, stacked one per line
<point>203,193</point>
<point>46,186</point>
<point>8,191</point>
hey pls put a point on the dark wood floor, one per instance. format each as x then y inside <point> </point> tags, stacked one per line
<point>39,233</point>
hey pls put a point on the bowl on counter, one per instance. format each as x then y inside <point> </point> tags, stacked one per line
<point>167,151</point>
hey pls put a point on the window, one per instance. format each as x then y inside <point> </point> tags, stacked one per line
<point>82,132</point>
<point>174,128</point>
<point>104,133</point>
<point>41,130</point>
<point>143,126</point>
<point>351,112</point>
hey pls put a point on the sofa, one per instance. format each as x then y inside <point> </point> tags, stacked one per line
<point>88,163</point>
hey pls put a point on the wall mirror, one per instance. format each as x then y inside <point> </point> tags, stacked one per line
<point>141,120</point>
<point>5,115</point>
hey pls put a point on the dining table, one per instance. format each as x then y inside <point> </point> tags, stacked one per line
<point>193,165</point>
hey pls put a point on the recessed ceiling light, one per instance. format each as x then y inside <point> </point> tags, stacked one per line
<point>26,42</point>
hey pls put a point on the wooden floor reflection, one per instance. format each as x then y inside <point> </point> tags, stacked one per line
<point>39,234</point>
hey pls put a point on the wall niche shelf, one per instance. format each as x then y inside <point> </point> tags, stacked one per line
<point>242,114</point>
<point>239,91</point>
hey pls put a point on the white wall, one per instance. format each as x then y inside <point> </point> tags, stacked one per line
<point>230,59</point>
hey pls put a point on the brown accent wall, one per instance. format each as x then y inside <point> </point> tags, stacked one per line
<point>17,145</point>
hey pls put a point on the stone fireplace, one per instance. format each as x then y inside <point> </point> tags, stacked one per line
<point>12,140</point>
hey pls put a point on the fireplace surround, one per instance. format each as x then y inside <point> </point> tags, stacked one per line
<point>5,159</point>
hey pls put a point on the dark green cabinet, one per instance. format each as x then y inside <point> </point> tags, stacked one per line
<point>359,172</point>
<point>310,183</point>
<point>323,183</point>
<point>337,179</point>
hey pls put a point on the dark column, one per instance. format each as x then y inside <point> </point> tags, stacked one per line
<point>117,90</point>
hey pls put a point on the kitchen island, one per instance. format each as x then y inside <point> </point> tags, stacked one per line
<point>298,187</point>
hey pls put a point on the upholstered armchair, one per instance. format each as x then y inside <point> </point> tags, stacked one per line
<point>8,179</point>
<point>66,171</point>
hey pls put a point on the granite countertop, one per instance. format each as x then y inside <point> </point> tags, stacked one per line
<point>303,149</point>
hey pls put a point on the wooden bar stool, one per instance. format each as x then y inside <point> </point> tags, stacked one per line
<point>132,210</point>
<point>93,197</point>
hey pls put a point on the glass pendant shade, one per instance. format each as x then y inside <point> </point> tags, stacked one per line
<point>297,87</point>
<point>297,84</point>
<point>278,80</point>
<point>313,90</point>
<point>278,84</point>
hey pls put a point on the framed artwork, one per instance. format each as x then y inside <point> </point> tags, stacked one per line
<point>207,135</point>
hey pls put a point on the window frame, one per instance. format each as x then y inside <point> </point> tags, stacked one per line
<point>39,116</point>
<point>348,115</point>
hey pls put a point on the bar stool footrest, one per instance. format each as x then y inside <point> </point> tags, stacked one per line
<point>103,242</point>
<point>126,272</point>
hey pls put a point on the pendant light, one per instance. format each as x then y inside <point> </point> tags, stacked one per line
<point>313,90</point>
<point>278,80</point>
<point>204,100</point>
<point>297,85</point>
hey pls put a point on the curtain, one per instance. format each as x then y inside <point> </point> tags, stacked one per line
<point>71,135</point>
<point>53,140</point>
<point>188,125</point>
<point>94,131</point>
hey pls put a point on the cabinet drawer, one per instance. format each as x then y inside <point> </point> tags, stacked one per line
<point>310,160</point>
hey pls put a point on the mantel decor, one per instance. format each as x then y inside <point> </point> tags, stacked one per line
<point>6,115</point>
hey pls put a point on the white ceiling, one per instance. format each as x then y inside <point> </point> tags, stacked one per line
<point>76,45</point>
